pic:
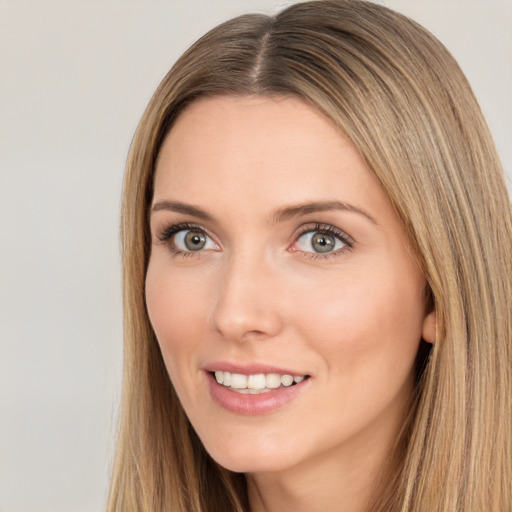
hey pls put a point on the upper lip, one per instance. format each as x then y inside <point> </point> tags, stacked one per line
<point>249,368</point>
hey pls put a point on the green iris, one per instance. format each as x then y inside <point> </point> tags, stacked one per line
<point>195,240</point>
<point>321,242</point>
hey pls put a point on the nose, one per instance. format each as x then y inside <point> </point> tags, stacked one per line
<point>246,305</point>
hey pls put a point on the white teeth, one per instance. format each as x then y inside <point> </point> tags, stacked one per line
<point>273,380</point>
<point>248,391</point>
<point>238,381</point>
<point>258,391</point>
<point>257,383</point>
<point>286,380</point>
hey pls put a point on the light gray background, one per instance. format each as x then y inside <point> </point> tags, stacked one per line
<point>75,77</point>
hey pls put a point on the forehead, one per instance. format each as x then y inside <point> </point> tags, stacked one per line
<point>254,141</point>
<point>255,123</point>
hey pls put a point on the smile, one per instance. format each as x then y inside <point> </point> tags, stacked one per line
<point>256,383</point>
<point>255,393</point>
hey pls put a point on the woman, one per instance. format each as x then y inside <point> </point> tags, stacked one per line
<point>317,259</point>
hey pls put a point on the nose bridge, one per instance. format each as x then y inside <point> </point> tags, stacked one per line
<point>244,305</point>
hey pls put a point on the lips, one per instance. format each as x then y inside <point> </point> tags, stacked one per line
<point>254,389</point>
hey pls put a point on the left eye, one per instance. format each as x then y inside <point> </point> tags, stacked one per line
<point>319,242</point>
<point>192,240</point>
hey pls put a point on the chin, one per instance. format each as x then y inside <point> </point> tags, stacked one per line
<point>257,464</point>
<point>251,457</point>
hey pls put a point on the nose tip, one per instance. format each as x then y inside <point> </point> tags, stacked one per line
<point>245,307</point>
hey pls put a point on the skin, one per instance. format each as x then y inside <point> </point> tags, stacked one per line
<point>351,318</point>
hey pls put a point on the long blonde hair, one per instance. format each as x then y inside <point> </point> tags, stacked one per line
<point>403,101</point>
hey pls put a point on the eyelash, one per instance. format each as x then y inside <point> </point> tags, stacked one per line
<point>326,229</point>
<point>167,234</point>
<point>171,230</point>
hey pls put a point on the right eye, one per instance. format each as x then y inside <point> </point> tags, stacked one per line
<point>187,239</point>
<point>192,240</point>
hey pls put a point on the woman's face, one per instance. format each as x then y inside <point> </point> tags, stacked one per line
<point>276,254</point>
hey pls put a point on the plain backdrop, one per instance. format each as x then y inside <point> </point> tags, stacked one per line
<point>75,77</point>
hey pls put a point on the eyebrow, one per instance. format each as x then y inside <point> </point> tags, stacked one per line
<point>281,215</point>
<point>300,210</point>
<point>187,209</point>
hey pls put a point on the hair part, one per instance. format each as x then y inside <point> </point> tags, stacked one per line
<point>401,98</point>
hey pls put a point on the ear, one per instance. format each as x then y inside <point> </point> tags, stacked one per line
<point>430,327</point>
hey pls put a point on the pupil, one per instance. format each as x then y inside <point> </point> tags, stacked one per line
<point>322,242</point>
<point>195,241</point>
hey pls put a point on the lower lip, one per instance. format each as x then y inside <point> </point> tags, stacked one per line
<point>251,405</point>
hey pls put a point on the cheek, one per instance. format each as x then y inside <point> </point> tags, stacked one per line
<point>368,338</point>
<point>364,322</point>
<point>173,309</point>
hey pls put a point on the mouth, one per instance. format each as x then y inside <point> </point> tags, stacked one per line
<point>256,384</point>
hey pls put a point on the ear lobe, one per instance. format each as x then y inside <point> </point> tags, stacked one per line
<point>430,327</point>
